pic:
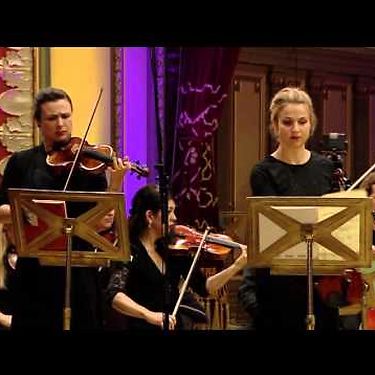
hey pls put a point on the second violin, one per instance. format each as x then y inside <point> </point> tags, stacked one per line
<point>189,238</point>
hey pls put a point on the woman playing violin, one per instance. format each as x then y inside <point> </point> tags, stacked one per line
<point>39,291</point>
<point>148,286</point>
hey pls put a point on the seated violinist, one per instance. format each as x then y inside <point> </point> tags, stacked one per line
<point>138,288</point>
<point>105,226</point>
<point>8,260</point>
<point>39,290</point>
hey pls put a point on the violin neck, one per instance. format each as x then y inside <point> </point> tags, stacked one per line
<point>141,171</point>
<point>97,156</point>
<point>221,241</point>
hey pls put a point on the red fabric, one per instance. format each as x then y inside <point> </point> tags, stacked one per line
<point>355,288</point>
<point>328,285</point>
<point>371,318</point>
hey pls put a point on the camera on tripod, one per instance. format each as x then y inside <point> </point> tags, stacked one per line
<point>334,142</point>
<point>333,147</point>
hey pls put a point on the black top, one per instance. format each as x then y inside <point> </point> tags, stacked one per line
<point>6,293</point>
<point>39,291</point>
<point>142,281</point>
<point>272,177</point>
<point>280,302</point>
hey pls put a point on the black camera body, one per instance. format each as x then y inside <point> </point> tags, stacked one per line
<point>334,142</point>
<point>334,148</point>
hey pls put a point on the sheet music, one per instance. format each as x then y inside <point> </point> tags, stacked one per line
<point>348,233</point>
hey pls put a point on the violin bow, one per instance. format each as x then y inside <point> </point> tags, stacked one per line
<point>187,279</point>
<point>78,153</point>
<point>362,177</point>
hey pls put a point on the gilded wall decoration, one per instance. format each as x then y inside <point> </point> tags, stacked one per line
<point>16,96</point>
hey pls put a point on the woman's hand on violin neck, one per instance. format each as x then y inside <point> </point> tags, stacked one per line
<point>241,261</point>
<point>157,318</point>
<point>117,172</point>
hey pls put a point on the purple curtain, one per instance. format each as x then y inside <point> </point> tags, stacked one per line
<point>203,81</point>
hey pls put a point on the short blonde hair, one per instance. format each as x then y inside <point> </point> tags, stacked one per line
<point>291,95</point>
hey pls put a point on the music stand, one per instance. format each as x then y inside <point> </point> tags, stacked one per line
<point>24,202</point>
<point>340,229</point>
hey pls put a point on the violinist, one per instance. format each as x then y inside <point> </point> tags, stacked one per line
<point>280,302</point>
<point>146,287</point>
<point>39,291</point>
<point>105,227</point>
<point>369,185</point>
<point>8,260</point>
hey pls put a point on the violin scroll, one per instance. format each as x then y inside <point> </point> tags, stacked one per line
<point>140,170</point>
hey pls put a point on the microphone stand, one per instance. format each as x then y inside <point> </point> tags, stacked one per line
<point>163,188</point>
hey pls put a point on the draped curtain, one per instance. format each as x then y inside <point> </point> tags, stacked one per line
<point>202,77</point>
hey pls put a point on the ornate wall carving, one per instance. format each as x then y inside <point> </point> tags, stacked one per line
<point>17,82</point>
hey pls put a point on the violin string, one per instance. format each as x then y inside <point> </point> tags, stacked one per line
<point>78,153</point>
<point>187,279</point>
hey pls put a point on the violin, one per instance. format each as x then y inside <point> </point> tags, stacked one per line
<point>93,159</point>
<point>190,238</point>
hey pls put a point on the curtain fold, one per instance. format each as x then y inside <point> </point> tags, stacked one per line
<point>202,77</point>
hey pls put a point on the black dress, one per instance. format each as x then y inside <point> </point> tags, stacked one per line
<point>142,281</point>
<point>39,291</point>
<point>280,302</point>
<point>6,293</point>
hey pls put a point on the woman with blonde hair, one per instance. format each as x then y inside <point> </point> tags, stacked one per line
<point>280,302</point>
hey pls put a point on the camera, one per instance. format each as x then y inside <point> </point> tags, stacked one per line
<point>334,142</point>
<point>334,148</point>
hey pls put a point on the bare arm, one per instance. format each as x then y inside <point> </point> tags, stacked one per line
<point>117,173</point>
<point>125,305</point>
<point>217,281</point>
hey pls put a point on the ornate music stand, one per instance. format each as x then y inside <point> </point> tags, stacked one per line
<point>53,245</point>
<point>337,233</point>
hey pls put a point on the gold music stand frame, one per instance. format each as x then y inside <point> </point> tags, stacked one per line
<point>82,226</point>
<point>309,232</point>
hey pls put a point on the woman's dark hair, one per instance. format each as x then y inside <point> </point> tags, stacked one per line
<point>146,198</point>
<point>48,94</point>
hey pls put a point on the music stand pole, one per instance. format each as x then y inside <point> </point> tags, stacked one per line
<point>68,229</point>
<point>56,226</point>
<point>307,230</point>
